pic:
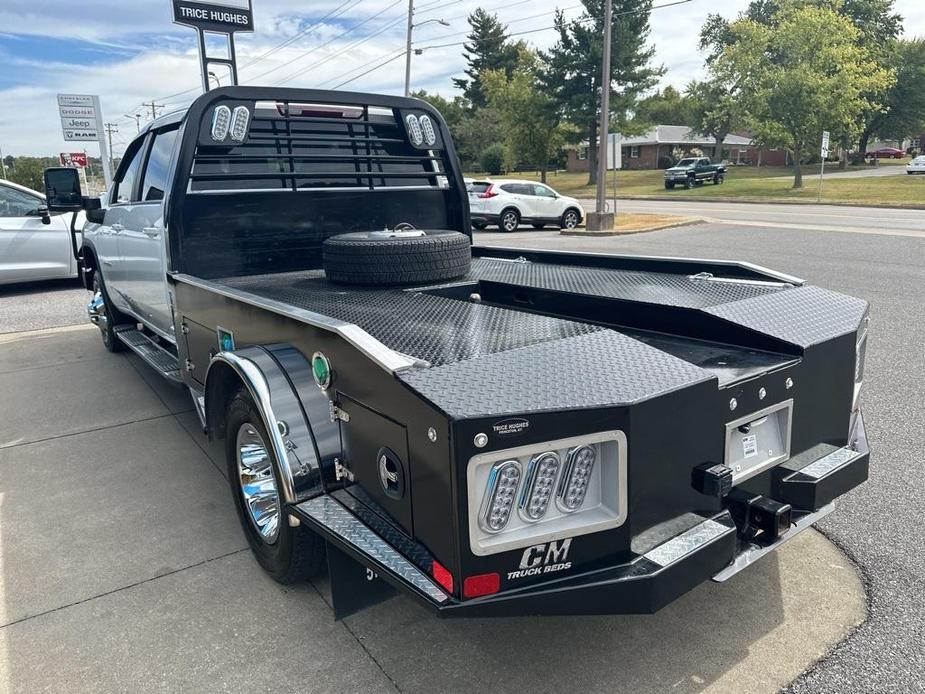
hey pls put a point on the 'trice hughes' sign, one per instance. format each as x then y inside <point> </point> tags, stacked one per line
<point>225,16</point>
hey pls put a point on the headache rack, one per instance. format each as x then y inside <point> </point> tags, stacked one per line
<point>265,175</point>
<point>297,145</point>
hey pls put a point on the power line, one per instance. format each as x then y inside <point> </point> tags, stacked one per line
<point>328,42</point>
<point>513,21</point>
<point>349,47</point>
<point>378,58</point>
<point>549,28</point>
<point>306,30</point>
<point>363,74</point>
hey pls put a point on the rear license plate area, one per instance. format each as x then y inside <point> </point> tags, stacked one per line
<point>758,441</point>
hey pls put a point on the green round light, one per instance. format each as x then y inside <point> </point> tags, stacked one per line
<point>321,370</point>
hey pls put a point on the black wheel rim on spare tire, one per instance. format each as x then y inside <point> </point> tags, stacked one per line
<point>393,258</point>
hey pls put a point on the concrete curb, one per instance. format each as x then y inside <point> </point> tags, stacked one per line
<point>682,222</point>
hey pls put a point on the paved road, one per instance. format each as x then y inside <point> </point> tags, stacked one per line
<point>860,220</point>
<point>879,525</point>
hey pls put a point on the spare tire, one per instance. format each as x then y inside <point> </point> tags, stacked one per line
<point>412,256</point>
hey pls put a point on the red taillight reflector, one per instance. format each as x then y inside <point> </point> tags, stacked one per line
<point>483,584</point>
<point>442,576</point>
<point>490,192</point>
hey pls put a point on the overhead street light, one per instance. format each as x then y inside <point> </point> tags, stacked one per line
<point>411,28</point>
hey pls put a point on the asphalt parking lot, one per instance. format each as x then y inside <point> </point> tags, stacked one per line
<point>122,566</point>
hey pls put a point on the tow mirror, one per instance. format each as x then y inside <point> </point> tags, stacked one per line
<point>43,213</point>
<point>62,189</point>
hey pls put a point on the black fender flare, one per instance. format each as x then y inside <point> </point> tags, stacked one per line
<point>295,412</point>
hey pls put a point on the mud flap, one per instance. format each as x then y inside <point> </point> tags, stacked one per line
<point>354,587</point>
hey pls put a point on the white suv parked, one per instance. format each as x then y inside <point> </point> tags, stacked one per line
<point>509,202</point>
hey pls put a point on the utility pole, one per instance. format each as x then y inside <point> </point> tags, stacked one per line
<point>153,108</point>
<point>411,27</point>
<point>408,48</point>
<point>2,165</point>
<point>600,219</point>
<point>110,129</point>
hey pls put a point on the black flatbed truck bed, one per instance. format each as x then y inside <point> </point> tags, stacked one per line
<point>717,402</point>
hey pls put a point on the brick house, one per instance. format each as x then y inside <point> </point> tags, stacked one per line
<point>648,151</point>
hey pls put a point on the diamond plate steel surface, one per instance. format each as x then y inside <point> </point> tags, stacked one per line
<point>826,464</point>
<point>600,369</point>
<point>687,542</point>
<point>646,287</point>
<point>803,316</point>
<point>433,328</point>
<point>351,530</point>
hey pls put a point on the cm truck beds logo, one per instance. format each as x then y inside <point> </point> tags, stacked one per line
<point>546,558</point>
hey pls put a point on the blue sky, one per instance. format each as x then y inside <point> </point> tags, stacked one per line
<point>129,53</point>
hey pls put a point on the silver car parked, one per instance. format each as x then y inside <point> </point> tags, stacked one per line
<point>34,245</point>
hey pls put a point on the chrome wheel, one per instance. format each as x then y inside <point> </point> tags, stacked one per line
<point>509,221</point>
<point>257,482</point>
<point>570,219</point>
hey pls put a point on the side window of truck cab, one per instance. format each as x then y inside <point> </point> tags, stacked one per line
<point>126,181</point>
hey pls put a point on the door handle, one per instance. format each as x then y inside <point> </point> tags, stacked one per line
<point>117,227</point>
<point>151,232</point>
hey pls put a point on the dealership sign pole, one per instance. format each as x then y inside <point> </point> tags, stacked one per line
<point>219,18</point>
<point>82,121</point>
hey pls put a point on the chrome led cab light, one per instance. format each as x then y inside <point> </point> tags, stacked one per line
<point>573,487</point>
<point>414,130</point>
<point>239,120</point>
<point>503,481</point>
<point>561,489</point>
<point>538,490</point>
<point>427,127</point>
<point>221,120</point>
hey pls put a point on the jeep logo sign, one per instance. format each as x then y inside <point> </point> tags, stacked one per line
<point>543,559</point>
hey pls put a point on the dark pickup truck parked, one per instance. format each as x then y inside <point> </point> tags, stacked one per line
<point>490,431</point>
<point>693,170</point>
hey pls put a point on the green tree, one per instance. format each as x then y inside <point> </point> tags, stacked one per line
<point>488,48</point>
<point>803,72</point>
<point>715,109</point>
<point>903,112</point>
<point>877,24</point>
<point>532,130</point>
<point>492,159</point>
<point>453,112</point>
<point>28,171</point>
<point>665,107</point>
<point>573,76</point>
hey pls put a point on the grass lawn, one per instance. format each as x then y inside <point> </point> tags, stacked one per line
<point>628,222</point>
<point>751,183</point>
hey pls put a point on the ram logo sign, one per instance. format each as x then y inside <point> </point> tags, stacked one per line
<point>548,557</point>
